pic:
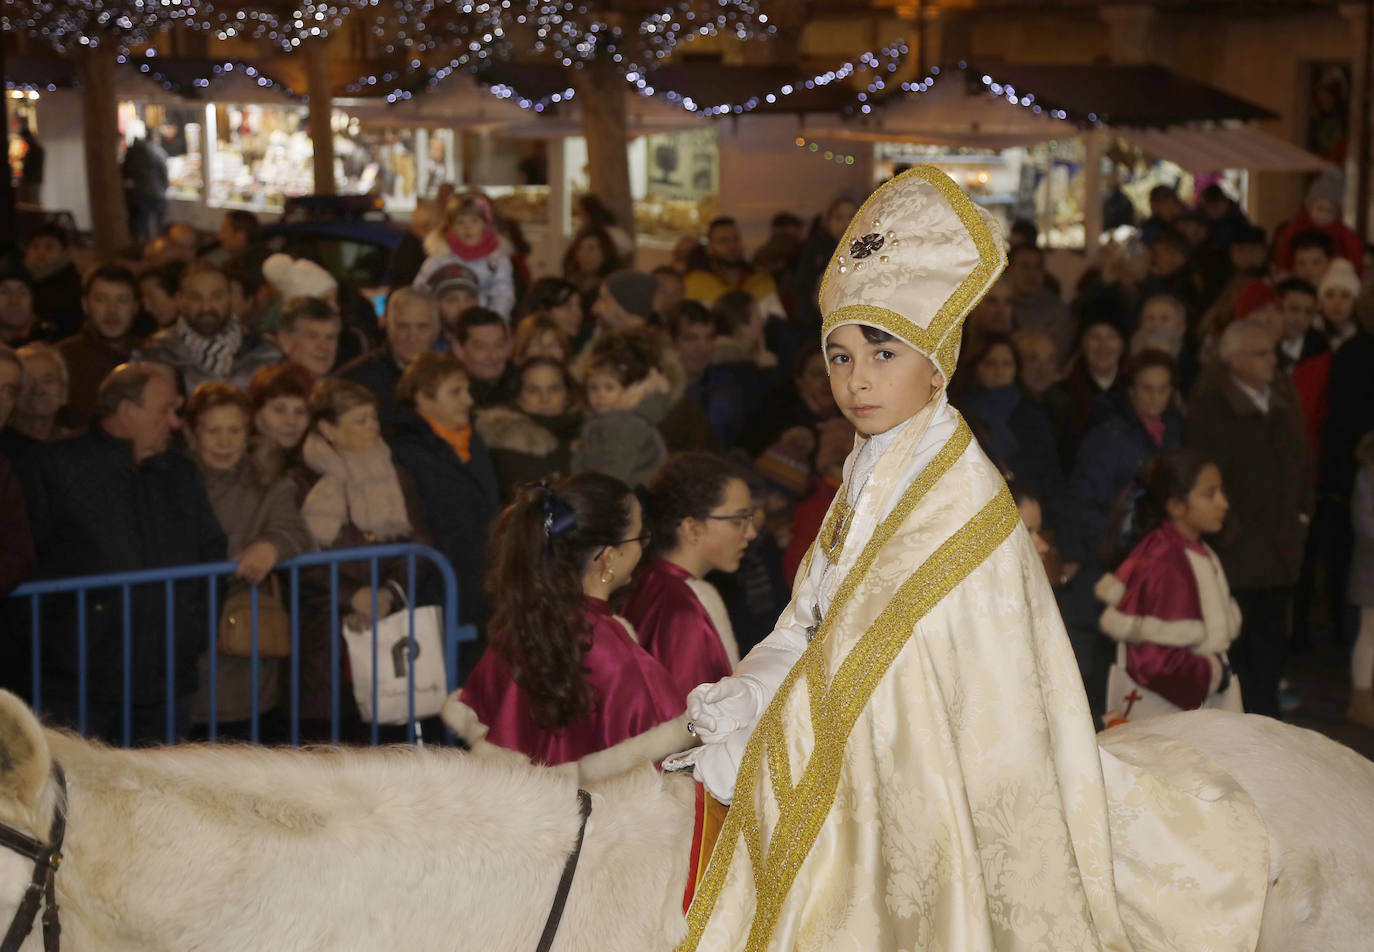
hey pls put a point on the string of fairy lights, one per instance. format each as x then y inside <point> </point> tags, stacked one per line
<point>569,30</point>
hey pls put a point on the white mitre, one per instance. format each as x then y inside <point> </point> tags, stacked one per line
<point>914,261</point>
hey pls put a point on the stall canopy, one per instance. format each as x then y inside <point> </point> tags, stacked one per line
<point>1117,95</point>
<point>1001,106</point>
<point>1225,147</point>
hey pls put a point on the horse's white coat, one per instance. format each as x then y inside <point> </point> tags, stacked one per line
<point>199,849</point>
<point>234,849</point>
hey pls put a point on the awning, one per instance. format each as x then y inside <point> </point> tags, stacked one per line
<point>1203,150</point>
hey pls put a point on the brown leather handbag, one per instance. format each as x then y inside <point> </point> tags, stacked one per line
<point>274,624</point>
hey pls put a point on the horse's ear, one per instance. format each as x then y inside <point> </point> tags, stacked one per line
<point>24,756</point>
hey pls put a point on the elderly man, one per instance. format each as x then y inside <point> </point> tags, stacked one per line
<point>111,500</point>
<point>208,342</point>
<point>411,323</point>
<point>1253,429</point>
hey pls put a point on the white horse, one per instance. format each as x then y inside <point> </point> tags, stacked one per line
<point>241,848</point>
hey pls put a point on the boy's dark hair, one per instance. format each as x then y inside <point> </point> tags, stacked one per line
<point>111,274</point>
<point>1162,191</point>
<point>245,223</point>
<point>1173,239</point>
<point>478,317</point>
<point>629,356</point>
<point>1146,359</point>
<point>306,309</point>
<point>732,310</point>
<point>167,276</point>
<point>1311,238</point>
<point>50,230</point>
<point>1294,286</point>
<point>875,335</point>
<point>720,222</point>
<point>689,312</point>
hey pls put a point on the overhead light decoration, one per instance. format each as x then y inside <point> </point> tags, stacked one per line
<point>1016,97</point>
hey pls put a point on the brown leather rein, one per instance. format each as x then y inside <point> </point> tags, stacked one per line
<point>42,888</point>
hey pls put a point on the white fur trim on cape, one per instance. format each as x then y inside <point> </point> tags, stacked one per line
<point>715,607</point>
<point>1210,634</point>
<point>649,747</point>
<point>464,722</point>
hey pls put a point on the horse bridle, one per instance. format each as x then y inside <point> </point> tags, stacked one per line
<point>560,896</point>
<point>42,888</point>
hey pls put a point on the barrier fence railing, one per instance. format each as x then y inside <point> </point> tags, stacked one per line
<point>212,574</point>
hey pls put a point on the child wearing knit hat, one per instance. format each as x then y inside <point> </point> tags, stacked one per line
<point>1336,300</point>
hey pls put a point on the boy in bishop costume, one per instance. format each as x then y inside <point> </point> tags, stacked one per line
<point>909,755</point>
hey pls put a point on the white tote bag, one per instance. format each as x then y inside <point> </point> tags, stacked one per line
<point>1137,703</point>
<point>397,656</point>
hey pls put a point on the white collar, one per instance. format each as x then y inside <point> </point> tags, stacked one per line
<point>1259,398</point>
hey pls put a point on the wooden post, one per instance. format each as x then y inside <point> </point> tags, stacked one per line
<point>104,180</point>
<point>605,124</point>
<point>1094,142</point>
<point>321,93</point>
<point>560,202</point>
<point>8,238</point>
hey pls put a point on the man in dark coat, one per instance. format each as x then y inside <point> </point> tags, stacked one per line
<point>411,324</point>
<point>16,540</point>
<point>53,278</point>
<point>1253,430</point>
<point>105,340</point>
<point>113,500</point>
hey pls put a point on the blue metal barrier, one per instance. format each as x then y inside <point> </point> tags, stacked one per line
<point>212,572</point>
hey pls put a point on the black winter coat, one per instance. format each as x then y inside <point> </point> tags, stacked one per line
<point>1266,469</point>
<point>456,501</point>
<point>93,511</point>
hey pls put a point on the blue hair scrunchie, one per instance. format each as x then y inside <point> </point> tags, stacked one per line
<point>559,518</point>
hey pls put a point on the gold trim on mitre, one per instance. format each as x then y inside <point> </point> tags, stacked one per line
<point>914,261</point>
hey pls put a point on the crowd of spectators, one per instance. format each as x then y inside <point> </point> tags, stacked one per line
<point>208,400</point>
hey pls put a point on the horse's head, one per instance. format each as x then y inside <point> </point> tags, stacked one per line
<point>25,798</point>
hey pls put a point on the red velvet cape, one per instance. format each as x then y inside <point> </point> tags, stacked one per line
<point>675,628</point>
<point>633,694</point>
<point>1160,585</point>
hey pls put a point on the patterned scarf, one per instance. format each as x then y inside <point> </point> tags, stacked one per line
<point>212,355</point>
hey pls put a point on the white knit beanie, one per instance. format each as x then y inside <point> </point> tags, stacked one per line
<point>299,277</point>
<point>1341,274</point>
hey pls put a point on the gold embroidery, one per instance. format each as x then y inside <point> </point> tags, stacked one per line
<point>836,528</point>
<point>742,823</point>
<point>801,818</point>
<point>948,320</point>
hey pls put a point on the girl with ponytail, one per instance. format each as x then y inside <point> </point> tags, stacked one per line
<point>563,680</point>
<point>1169,607</point>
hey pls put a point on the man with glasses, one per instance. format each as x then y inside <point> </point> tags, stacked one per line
<point>1253,429</point>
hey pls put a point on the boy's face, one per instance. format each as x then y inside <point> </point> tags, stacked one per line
<point>486,351</point>
<point>1299,311</point>
<point>1310,265</point>
<point>452,304</point>
<point>604,391</point>
<point>878,386</point>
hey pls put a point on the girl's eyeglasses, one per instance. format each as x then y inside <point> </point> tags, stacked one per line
<point>739,521</point>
